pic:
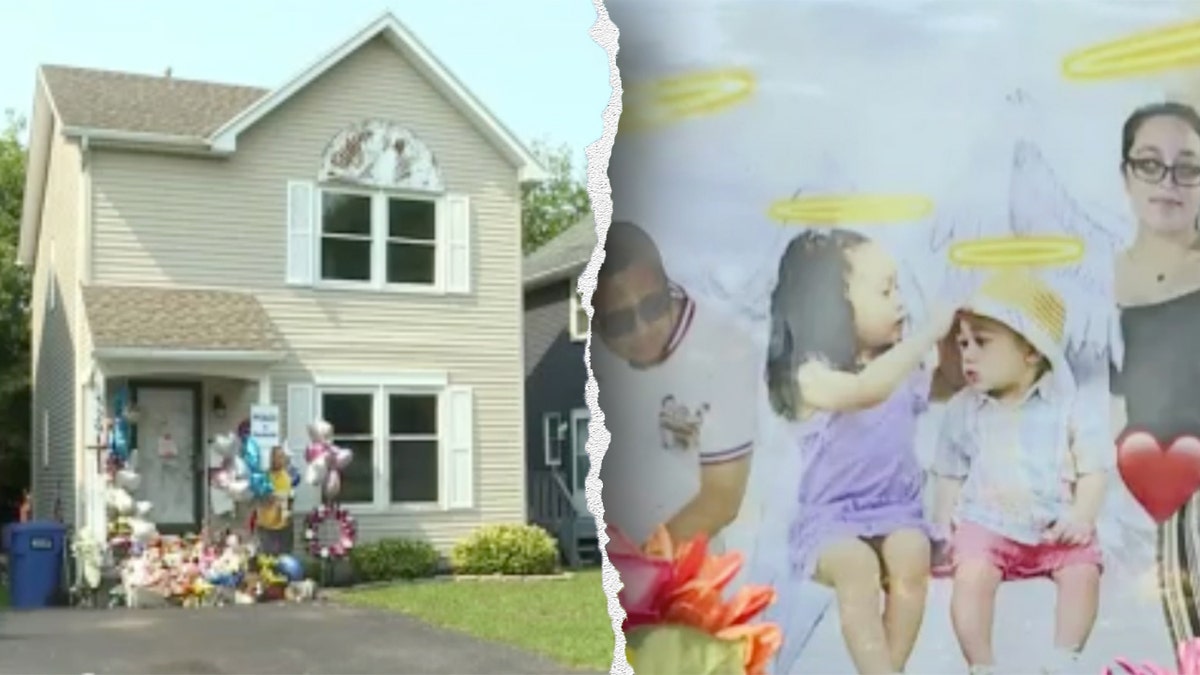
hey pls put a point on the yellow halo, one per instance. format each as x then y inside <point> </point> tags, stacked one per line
<point>1017,251</point>
<point>1176,46</point>
<point>673,99</point>
<point>836,209</point>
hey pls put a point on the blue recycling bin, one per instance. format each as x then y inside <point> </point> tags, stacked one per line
<point>35,559</point>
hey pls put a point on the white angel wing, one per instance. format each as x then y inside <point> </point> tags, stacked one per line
<point>1040,205</point>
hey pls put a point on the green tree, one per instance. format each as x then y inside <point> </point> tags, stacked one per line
<point>548,207</point>
<point>15,398</point>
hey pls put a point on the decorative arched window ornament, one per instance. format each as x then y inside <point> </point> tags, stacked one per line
<point>380,154</point>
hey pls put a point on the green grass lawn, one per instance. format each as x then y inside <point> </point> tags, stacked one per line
<point>564,619</point>
<point>3,596</point>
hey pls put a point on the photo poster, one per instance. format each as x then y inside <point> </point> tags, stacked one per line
<point>932,130</point>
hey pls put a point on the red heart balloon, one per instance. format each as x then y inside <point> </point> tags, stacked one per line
<point>1162,480</point>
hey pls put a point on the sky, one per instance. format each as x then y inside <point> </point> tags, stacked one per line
<point>532,62</point>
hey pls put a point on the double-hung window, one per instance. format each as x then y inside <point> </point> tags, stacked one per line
<point>378,239</point>
<point>412,443</point>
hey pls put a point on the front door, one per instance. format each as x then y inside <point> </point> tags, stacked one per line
<point>167,438</point>
<point>579,458</point>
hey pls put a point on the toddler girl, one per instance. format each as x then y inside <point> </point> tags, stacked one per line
<point>838,367</point>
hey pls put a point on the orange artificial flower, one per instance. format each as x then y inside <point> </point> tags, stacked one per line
<point>684,586</point>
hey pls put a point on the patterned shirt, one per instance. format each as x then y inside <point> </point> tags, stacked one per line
<point>1019,462</point>
<point>696,408</point>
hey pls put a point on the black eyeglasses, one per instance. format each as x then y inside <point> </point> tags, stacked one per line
<point>1153,171</point>
<point>621,322</point>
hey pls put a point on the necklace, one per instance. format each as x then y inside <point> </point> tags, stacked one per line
<point>1162,272</point>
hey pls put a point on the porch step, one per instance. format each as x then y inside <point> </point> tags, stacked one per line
<point>589,550</point>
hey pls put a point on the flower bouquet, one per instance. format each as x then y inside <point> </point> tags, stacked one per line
<point>677,620</point>
<point>1189,663</point>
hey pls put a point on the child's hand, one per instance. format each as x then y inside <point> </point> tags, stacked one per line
<point>941,320</point>
<point>1071,530</point>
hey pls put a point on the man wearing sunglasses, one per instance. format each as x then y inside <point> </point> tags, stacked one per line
<point>678,385</point>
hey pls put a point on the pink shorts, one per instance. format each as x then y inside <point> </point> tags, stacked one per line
<point>1016,560</point>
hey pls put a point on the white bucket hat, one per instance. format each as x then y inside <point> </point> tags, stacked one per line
<point>1035,311</point>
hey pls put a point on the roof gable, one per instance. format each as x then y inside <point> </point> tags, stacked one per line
<point>388,26</point>
<point>563,256</point>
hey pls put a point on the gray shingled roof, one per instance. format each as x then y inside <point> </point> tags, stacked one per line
<point>102,99</point>
<point>565,255</point>
<point>158,318</point>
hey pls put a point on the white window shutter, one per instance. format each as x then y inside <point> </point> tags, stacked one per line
<point>457,255</point>
<point>459,446</point>
<point>301,232</point>
<point>300,413</point>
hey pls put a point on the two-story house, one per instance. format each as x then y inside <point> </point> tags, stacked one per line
<point>556,415</point>
<point>347,246</point>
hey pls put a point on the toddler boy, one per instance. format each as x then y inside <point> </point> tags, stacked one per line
<point>1020,473</point>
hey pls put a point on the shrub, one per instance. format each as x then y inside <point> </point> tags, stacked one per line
<point>506,549</point>
<point>333,573</point>
<point>389,559</point>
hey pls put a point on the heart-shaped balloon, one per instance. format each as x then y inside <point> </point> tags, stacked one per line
<point>1160,479</point>
<point>313,451</point>
<point>342,457</point>
<point>239,490</point>
<point>224,444</point>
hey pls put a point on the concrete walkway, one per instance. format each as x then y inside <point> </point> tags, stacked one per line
<point>266,639</point>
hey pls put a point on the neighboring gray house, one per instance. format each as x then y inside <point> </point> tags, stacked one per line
<point>347,245</point>
<point>556,416</point>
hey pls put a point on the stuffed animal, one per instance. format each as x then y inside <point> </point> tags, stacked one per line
<point>120,501</point>
<point>302,591</point>
<point>141,530</point>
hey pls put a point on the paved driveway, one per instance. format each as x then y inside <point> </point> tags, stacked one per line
<point>256,639</point>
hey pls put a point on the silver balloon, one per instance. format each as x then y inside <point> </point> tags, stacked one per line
<point>342,457</point>
<point>239,490</point>
<point>332,486</point>
<point>128,480</point>
<point>315,474</point>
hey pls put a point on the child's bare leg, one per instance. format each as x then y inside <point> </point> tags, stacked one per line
<point>851,567</point>
<point>1078,601</point>
<point>906,556</point>
<point>973,608</point>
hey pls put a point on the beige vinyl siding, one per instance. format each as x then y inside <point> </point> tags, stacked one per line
<point>171,220</point>
<point>54,334</point>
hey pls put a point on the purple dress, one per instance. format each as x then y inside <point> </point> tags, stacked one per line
<point>861,476</point>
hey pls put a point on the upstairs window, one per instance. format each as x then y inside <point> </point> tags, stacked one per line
<point>378,239</point>
<point>378,217</point>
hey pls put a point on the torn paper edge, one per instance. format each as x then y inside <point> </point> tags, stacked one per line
<point>605,33</point>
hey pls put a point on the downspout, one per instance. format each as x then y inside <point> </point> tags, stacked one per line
<point>85,161</point>
<point>89,489</point>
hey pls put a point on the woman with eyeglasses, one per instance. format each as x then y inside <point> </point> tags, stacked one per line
<point>1157,387</point>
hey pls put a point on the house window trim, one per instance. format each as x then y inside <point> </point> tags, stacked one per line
<point>577,415</point>
<point>379,240</point>
<point>380,389</point>
<point>550,437</point>
<point>575,306</point>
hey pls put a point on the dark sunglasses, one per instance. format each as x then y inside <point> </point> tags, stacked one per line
<point>621,322</point>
